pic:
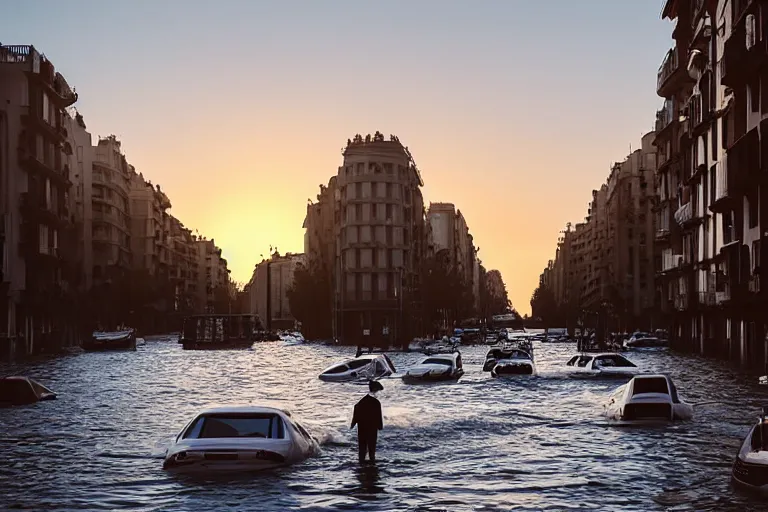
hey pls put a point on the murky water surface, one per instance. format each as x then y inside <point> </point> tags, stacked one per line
<point>481,444</point>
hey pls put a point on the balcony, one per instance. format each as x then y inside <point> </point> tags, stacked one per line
<point>722,186</point>
<point>684,214</point>
<point>671,75</point>
<point>681,301</point>
<point>707,298</point>
<point>745,50</point>
<point>666,115</point>
<point>754,283</point>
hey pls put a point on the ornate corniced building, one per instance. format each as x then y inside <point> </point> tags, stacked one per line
<point>380,240</point>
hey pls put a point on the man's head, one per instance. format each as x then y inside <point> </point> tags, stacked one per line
<point>374,386</point>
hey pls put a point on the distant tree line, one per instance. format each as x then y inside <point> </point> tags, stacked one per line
<point>446,297</point>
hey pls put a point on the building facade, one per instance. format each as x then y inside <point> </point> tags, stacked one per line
<point>381,241</point>
<point>450,233</point>
<point>715,86</point>
<point>40,268</point>
<point>604,266</point>
<point>268,290</point>
<point>110,211</point>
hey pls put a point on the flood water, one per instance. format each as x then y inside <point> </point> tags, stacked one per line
<point>528,443</point>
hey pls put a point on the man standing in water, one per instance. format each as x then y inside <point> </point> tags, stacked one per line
<point>367,417</point>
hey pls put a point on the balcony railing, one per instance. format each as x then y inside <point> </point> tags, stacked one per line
<point>681,301</point>
<point>707,298</point>
<point>666,115</point>
<point>684,213</point>
<point>15,53</point>
<point>669,260</point>
<point>721,175</point>
<point>724,295</point>
<point>668,66</point>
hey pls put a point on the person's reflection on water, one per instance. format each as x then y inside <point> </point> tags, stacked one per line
<point>367,417</point>
<point>370,480</point>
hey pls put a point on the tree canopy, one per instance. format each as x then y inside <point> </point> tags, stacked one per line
<point>309,298</point>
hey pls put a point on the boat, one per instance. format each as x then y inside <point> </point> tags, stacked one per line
<point>435,368</point>
<point>292,338</point>
<point>601,365</point>
<point>245,438</point>
<point>648,398</point>
<point>217,332</point>
<point>750,469</point>
<point>124,339</point>
<point>368,366</point>
<point>644,340</point>
<point>428,346</point>
<point>513,362</point>
<point>16,390</point>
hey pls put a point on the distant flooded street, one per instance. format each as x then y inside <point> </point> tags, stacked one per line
<point>527,443</point>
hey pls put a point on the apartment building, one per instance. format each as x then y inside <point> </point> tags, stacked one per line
<point>604,266</point>
<point>40,269</point>
<point>628,265</point>
<point>381,242</point>
<point>80,197</point>
<point>213,274</point>
<point>111,233</point>
<point>150,225</point>
<point>320,243</point>
<point>184,267</point>
<point>450,233</point>
<point>268,290</point>
<point>713,176</point>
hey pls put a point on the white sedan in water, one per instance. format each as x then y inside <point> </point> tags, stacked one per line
<point>239,439</point>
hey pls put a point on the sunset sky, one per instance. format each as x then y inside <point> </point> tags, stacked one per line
<point>514,110</point>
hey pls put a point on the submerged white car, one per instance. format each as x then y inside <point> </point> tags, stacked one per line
<point>602,365</point>
<point>239,439</point>
<point>648,398</point>
<point>369,366</point>
<point>437,367</point>
<point>514,362</point>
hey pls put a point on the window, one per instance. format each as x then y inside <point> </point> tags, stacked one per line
<point>358,190</point>
<point>365,234</point>
<point>43,242</point>
<point>46,109</point>
<point>754,94</point>
<point>651,385</point>
<point>388,168</point>
<point>754,212</point>
<point>231,425</point>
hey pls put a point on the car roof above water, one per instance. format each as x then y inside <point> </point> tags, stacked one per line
<point>243,409</point>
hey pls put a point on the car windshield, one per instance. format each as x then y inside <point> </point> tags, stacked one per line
<point>651,385</point>
<point>359,363</point>
<point>435,360</point>
<point>616,361</point>
<point>230,425</point>
<point>339,368</point>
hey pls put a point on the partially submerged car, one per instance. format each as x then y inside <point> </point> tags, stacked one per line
<point>244,438</point>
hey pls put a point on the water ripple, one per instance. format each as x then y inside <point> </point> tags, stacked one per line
<point>538,443</point>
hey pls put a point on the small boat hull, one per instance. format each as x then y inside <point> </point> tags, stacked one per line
<point>110,341</point>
